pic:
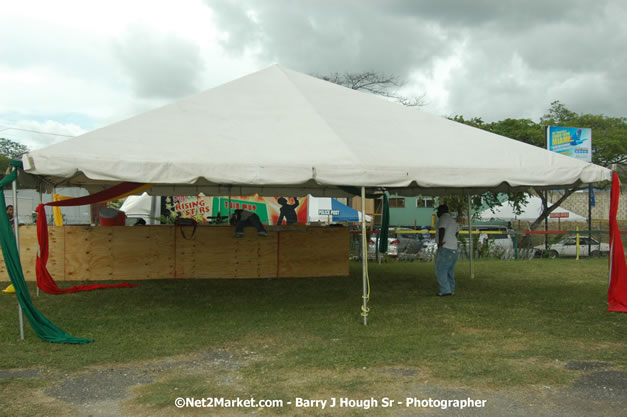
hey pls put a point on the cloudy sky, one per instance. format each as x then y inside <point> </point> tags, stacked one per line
<point>67,67</point>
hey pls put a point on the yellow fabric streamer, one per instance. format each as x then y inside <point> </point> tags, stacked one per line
<point>56,211</point>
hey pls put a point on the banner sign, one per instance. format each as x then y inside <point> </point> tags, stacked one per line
<point>271,210</point>
<point>199,208</point>
<point>570,141</point>
<point>559,215</point>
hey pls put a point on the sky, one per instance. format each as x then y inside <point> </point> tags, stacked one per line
<point>71,66</point>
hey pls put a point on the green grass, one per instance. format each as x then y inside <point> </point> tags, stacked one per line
<point>515,324</point>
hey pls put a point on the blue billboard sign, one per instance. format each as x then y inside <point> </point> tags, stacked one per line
<point>570,141</point>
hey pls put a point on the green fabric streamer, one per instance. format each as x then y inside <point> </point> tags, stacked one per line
<point>385,216</point>
<point>43,327</point>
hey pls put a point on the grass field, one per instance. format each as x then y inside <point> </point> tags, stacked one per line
<point>515,325</point>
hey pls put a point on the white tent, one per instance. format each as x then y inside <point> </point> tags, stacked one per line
<point>280,132</point>
<point>530,213</point>
<point>137,205</point>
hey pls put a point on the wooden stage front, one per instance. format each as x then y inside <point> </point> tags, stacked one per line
<point>87,253</point>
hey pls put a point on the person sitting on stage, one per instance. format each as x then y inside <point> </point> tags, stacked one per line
<point>243,218</point>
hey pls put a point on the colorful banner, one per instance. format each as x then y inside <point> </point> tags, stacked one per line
<point>570,141</point>
<point>270,210</point>
<point>199,208</point>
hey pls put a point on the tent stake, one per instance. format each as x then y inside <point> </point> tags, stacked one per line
<point>364,255</point>
<point>16,224</point>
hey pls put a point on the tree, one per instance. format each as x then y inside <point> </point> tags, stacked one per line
<point>375,83</point>
<point>609,144</point>
<point>557,114</point>
<point>609,134</point>
<point>11,149</point>
<point>4,164</point>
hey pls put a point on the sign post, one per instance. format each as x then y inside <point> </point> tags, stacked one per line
<point>577,143</point>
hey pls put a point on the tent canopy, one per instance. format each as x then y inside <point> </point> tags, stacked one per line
<point>280,132</point>
<point>531,211</point>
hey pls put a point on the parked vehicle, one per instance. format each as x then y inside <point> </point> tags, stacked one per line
<point>493,240</point>
<point>402,242</point>
<point>568,247</point>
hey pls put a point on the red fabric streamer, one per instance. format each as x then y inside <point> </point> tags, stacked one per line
<point>99,197</point>
<point>617,293</point>
<point>44,280</point>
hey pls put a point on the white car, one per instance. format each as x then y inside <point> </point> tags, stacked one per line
<point>568,247</point>
<point>402,242</point>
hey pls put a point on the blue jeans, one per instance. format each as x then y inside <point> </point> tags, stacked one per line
<point>445,269</point>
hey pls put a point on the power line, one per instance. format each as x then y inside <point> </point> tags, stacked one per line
<point>35,131</point>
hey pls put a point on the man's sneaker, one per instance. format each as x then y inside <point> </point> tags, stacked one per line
<point>238,235</point>
<point>446,294</point>
<point>263,233</point>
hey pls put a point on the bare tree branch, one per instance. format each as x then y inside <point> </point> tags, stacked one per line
<point>376,83</point>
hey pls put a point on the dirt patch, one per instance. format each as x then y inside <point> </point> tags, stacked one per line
<point>587,365</point>
<point>603,386</point>
<point>99,385</point>
<point>115,391</point>
<point>19,373</point>
<point>400,371</point>
<point>103,391</point>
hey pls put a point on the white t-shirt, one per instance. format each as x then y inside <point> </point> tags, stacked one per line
<point>451,228</point>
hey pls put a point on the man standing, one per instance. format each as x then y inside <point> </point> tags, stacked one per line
<point>447,252</point>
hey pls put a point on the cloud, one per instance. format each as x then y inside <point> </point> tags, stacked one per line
<point>482,58</point>
<point>36,134</point>
<point>160,65</point>
<point>327,37</point>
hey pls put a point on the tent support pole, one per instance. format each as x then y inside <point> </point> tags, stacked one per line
<point>153,210</point>
<point>609,272</point>
<point>41,200</point>
<point>17,242</point>
<point>472,270</point>
<point>364,256</point>
<point>229,204</point>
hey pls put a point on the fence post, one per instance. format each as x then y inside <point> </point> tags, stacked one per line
<point>577,242</point>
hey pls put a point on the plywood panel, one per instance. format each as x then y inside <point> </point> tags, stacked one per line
<point>56,249</point>
<point>83,253</point>
<point>88,253</point>
<point>315,252</point>
<point>255,256</point>
<point>28,252</point>
<point>214,253</point>
<point>145,252</point>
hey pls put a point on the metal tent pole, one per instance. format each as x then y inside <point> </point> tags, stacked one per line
<point>41,200</point>
<point>153,209</point>
<point>590,191</point>
<point>364,255</point>
<point>609,272</point>
<point>17,242</point>
<point>229,213</point>
<point>472,270</point>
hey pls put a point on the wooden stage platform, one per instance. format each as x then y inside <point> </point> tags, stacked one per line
<point>87,253</point>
